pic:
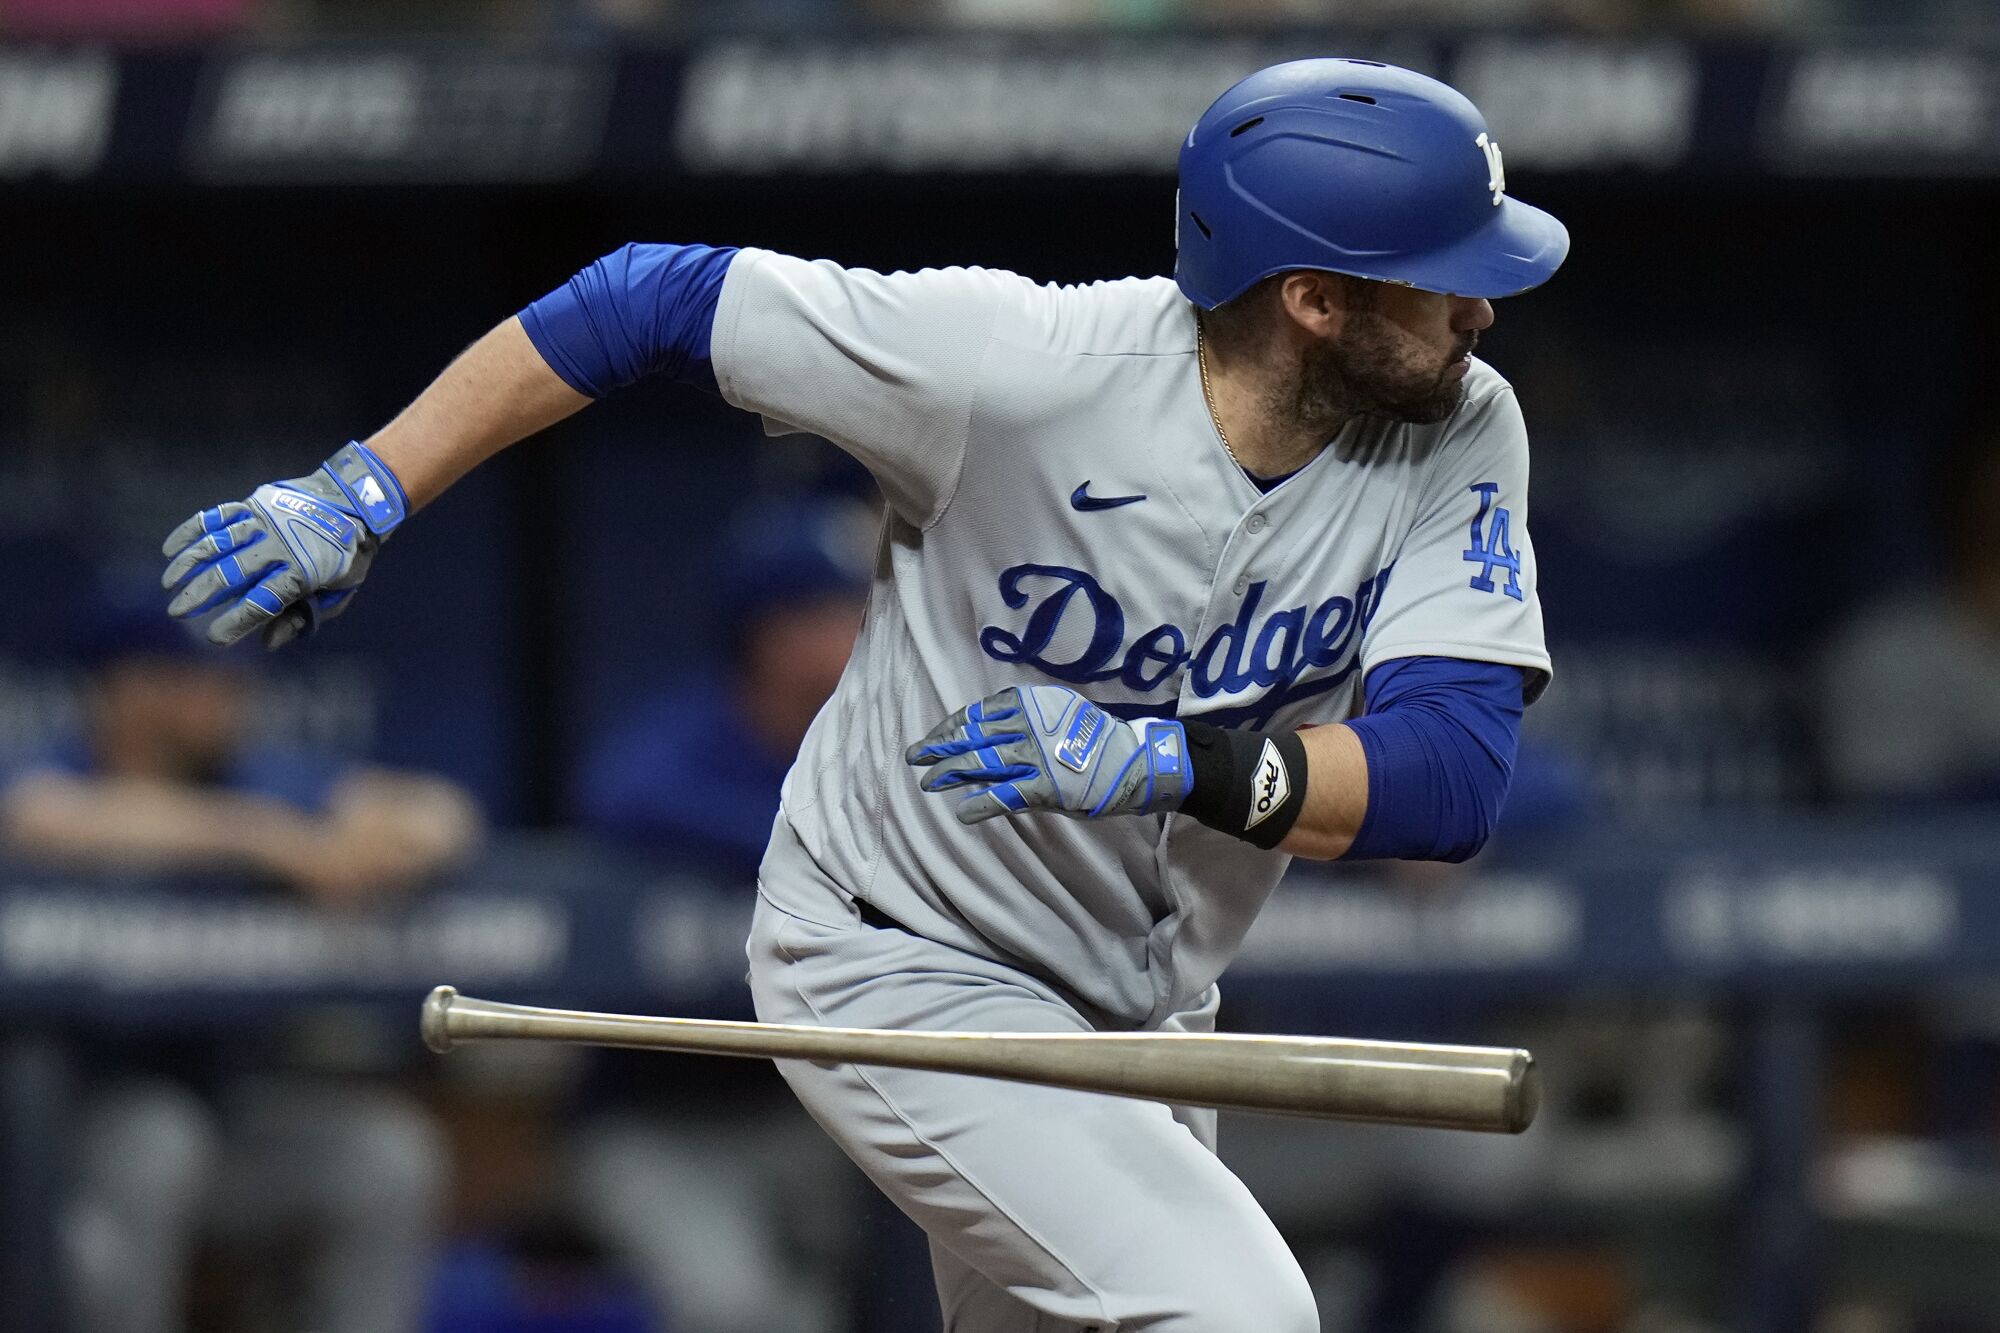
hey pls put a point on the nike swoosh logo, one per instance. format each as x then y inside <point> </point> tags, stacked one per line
<point>1083,500</point>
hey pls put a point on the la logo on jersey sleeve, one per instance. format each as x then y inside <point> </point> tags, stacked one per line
<point>1491,548</point>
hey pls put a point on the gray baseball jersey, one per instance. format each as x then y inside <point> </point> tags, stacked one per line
<point>1062,510</point>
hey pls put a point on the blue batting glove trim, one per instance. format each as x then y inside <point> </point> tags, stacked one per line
<point>383,471</point>
<point>1439,737</point>
<point>335,524</point>
<point>640,310</point>
<point>235,580</point>
<point>371,488</point>
<point>1167,753</point>
<point>1042,718</point>
<point>989,776</point>
<point>1111,788</point>
<point>958,745</point>
<point>1050,748</point>
<point>264,599</point>
<point>979,713</point>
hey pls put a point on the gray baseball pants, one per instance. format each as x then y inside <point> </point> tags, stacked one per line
<point>1048,1210</point>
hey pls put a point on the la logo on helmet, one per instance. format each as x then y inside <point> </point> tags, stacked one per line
<point>1496,172</point>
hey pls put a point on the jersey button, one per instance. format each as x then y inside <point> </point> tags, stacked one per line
<point>1242,586</point>
<point>1256,523</point>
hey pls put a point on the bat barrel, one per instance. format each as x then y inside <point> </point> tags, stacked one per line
<point>1491,1089</point>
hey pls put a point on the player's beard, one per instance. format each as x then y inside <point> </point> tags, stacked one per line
<point>1366,371</point>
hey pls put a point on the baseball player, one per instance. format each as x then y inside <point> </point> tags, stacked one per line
<point>1179,579</point>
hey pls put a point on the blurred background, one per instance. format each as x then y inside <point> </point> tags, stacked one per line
<point>1745,904</point>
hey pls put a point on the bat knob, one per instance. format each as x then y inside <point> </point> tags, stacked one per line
<point>1524,1091</point>
<point>436,1027</point>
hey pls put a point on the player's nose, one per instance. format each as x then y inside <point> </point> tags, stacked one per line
<point>1471,314</point>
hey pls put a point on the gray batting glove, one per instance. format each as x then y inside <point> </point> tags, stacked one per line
<point>1043,747</point>
<point>288,557</point>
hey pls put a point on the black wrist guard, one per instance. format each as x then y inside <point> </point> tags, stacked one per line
<point>1249,784</point>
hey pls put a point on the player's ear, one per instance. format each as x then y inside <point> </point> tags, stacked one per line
<point>1316,302</point>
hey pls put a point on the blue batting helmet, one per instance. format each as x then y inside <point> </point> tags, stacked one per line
<point>1355,167</point>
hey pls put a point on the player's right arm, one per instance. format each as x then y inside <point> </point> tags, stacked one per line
<point>883,365</point>
<point>499,391</point>
<point>293,552</point>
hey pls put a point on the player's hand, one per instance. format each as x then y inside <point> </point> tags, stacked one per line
<point>1042,747</point>
<point>288,557</point>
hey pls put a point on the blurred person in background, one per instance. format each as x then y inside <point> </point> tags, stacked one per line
<point>165,779</point>
<point>702,1175</point>
<point>177,1139</point>
<point>1910,685</point>
<point>1910,718</point>
<point>677,777</point>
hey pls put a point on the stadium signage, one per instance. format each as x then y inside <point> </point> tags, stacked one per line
<point>963,103</point>
<point>55,112</point>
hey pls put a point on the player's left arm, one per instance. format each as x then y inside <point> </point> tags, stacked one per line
<point>1452,650</point>
<point>1421,776</point>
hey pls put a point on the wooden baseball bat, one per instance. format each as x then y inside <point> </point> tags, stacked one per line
<point>1444,1087</point>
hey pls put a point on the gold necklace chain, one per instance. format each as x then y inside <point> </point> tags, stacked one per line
<point>1208,394</point>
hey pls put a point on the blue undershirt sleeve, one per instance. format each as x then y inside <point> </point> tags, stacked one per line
<point>641,310</point>
<point>1439,734</point>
